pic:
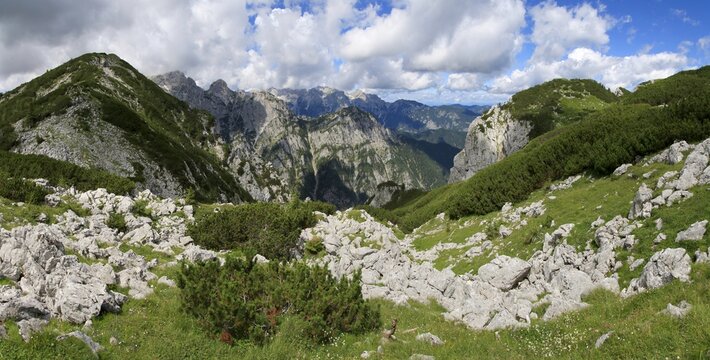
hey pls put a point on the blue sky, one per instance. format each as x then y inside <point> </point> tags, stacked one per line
<point>444,51</point>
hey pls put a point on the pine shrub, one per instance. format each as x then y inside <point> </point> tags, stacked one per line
<point>21,190</point>
<point>269,229</point>
<point>248,301</point>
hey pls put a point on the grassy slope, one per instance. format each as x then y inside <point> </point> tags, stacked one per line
<point>166,129</point>
<point>601,141</point>
<point>157,327</point>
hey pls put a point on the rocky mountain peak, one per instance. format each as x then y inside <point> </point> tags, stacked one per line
<point>220,89</point>
<point>174,80</point>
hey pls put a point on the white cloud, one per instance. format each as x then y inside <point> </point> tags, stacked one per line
<point>558,29</point>
<point>442,51</point>
<point>470,36</point>
<point>611,71</point>
<point>464,82</point>
<point>704,44</point>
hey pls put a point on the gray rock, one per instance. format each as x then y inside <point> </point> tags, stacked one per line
<point>113,341</point>
<point>504,231</point>
<point>677,196</point>
<point>702,257</point>
<point>560,305</point>
<point>365,355</point>
<point>659,238</point>
<point>489,141</point>
<point>504,272</point>
<point>165,281</point>
<point>430,338</point>
<point>259,259</point>
<point>3,332</point>
<point>30,326</point>
<point>86,339</point>
<point>659,224</point>
<point>636,263</point>
<point>695,232</point>
<point>663,267</point>
<point>639,208</point>
<point>678,311</point>
<point>421,357</point>
<point>602,339</point>
<point>621,170</point>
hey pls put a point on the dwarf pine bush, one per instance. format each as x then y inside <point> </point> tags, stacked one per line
<point>242,300</point>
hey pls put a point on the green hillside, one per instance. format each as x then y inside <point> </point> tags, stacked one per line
<point>100,87</point>
<point>598,143</point>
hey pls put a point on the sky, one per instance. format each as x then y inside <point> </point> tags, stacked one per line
<point>436,52</point>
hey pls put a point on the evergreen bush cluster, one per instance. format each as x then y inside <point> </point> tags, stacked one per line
<point>269,229</point>
<point>17,189</point>
<point>62,173</point>
<point>117,221</point>
<point>242,300</point>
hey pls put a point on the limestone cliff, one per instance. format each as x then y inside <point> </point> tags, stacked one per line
<point>490,138</point>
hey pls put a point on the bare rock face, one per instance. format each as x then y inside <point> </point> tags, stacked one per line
<point>663,267</point>
<point>694,233</point>
<point>504,272</point>
<point>641,206</point>
<point>490,138</point>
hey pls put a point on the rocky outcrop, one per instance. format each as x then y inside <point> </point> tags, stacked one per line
<point>491,138</point>
<point>384,194</point>
<point>663,267</point>
<point>47,264</point>
<point>502,295</point>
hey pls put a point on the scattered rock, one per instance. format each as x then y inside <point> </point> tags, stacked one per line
<point>365,355</point>
<point>504,231</point>
<point>565,184</point>
<point>3,332</point>
<point>659,224</point>
<point>165,281</point>
<point>678,311</point>
<point>641,206</point>
<point>702,257</point>
<point>430,338</point>
<point>602,339</point>
<point>421,357</point>
<point>30,326</point>
<point>659,238</point>
<point>504,272</point>
<point>636,263</point>
<point>663,267</point>
<point>260,259</point>
<point>695,232</point>
<point>93,345</point>
<point>621,170</point>
<point>113,341</point>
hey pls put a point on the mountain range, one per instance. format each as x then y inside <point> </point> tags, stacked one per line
<point>98,111</point>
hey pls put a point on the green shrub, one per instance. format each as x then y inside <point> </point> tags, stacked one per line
<point>242,300</point>
<point>21,190</point>
<point>314,246</point>
<point>140,208</point>
<point>62,173</point>
<point>117,221</point>
<point>269,229</point>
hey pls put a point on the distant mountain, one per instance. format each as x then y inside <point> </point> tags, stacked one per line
<point>339,157</point>
<point>98,111</point>
<point>401,115</point>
